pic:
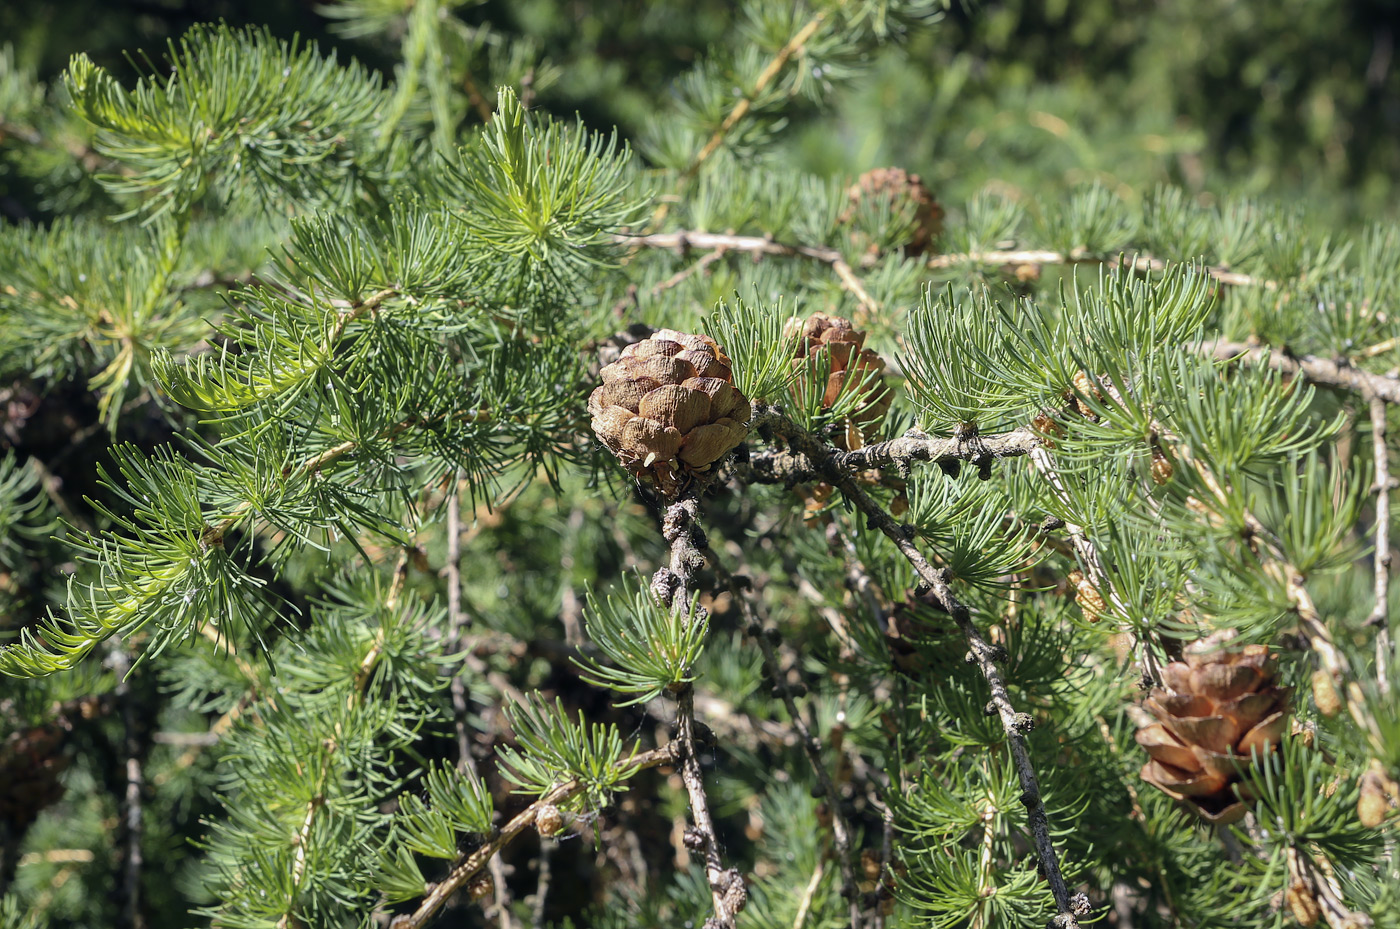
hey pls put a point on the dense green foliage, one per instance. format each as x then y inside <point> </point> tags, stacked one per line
<point>315,588</point>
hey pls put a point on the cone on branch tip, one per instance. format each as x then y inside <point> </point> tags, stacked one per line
<point>31,762</point>
<point>833,344</point>
<point>668,408</point>
<point>1217,708</point>
<point>906,191</point>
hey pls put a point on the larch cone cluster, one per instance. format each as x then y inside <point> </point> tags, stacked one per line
<point>848,362</point>
<point>1217,707</point>
<point>902,188</point>
<point>668,408</point>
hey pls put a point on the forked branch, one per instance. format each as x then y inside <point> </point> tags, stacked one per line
<point>936,583</point>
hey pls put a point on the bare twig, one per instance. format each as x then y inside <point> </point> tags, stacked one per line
<point>768,247</point>
<point>300,840</point>
<point>456,618</point>
<point>1380,613</point>
<point>683,241</point>
<point>985,879</point>
<point>457,622</point>
<point>542,887</point>
<point>438,894</point>
<point>841,829</point>
<point>1338,374</point>
<point>571,610</point>
<point>1042,257</point>
<point>133,916</point>
<point>804,906</point>
<point>886,853</point>
<point>936,585</point>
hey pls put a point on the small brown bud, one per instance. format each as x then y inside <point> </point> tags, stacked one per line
<point>1088,598</point>
<point>870,863</point>
<point>1325,696</point>
<point>548,820</point>
<point>1044,424</point>
<point>1303,904</point>
<point>1162,467</point>
<point>481,886</point>
<point>1084,387</point>
<point>1305,733</point>
<point>1373,805</point>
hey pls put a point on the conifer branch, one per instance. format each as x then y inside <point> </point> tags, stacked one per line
<point>456,624</point>
<point>1086,553</point>
<point>1140,263</point>
<point>789,466</point>
<point>1313,891</point>
<point>759,633</point>
<point>456,619</point>
<point>936,584</point>
<point>674,587</point>
<point>758,245</point>
<point>440,893</point>
<point>765,77</point>
<point>1338,374</point>
<point>1334,663</point>
<point>1380,613</point>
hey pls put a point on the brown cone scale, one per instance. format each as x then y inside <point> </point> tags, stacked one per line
<point>849,362</point>
<point>668,408</point>
<point>902,188</point>
<point>1217,706</point>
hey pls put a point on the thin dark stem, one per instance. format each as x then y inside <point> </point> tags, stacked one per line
<point>886,854</point>
<point>840,828</point>
<point>457,623</point>
<point>936,583</point>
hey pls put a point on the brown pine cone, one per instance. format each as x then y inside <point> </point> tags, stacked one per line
<point>902,187</point>
<point>1218,706</point>
<point>849,361</point>
<point>668,408</point>
<point>31,761</point>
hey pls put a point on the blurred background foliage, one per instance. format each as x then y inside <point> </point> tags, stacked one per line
<point>1288,101</point>
<point>1299,99</point>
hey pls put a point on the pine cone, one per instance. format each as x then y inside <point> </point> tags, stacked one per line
<point>902,187</point>
<point>1218,706</point>
<point>668,408</point>
<point>31,761</point>
<point>849,361</point>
